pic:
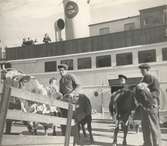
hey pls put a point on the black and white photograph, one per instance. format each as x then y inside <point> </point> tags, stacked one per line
<point>83,72</point>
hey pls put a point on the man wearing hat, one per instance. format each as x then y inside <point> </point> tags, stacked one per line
<point>149,110</point>
<point>123,86</point>
<point>68,86</point>
<point>119,108</point>
<point>122,79</point>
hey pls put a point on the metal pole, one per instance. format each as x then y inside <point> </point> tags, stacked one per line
<point>69,26</point>
<point>55,28</point>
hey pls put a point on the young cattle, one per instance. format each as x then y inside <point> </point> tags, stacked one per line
<point>83,115</point>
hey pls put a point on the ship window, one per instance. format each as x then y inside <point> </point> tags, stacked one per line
<point>103,61</point>
<point>69,62</point>
<point>104,30</point>
<point>84,63</point>
<point>147,56</point>
<point>129,26</point>
<point>124,59</point>
<point>50,66</point>
<point>152,20</point>
<point>164,53</point>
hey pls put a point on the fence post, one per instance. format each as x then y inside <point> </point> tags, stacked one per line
<point>68,125</point>
<point>4,106</point>
<point>76,136</point>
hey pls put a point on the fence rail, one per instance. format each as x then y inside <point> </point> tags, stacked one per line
<point>23,116</point>
<point>31,140</point>
<point>7,91</point>
<point>23,94</point>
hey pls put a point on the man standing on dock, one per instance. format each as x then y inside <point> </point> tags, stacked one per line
<point>148,97</point>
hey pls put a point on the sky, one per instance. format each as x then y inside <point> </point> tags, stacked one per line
<point>33,18</point>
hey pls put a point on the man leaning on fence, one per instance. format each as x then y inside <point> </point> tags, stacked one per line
<point>147,94</point>
<point>68,86</point>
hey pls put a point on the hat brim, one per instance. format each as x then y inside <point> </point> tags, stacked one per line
<point>122,76</point>
<point>144,67</point>
<point>63,66</point>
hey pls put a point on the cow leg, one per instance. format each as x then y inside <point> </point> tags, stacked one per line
<point>116,130</point>
<point>79,128</point>
<point>83,129</point>
<point>90,129</point>
<point>8,126</point>
<point>45,126</point>
<point>90,133</point>
<point>35,127</point>
<point>53,126</point>
<point>137,128</point>
<point>76,134</point>
<point>64,114</point>
<point>45,129</point>
<point>63,130</point>
<point>54,131</point>
<point>125,130</point>
<point>28,125</point>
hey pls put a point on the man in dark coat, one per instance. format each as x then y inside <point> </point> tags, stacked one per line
<point>148,97</point>
<point>116,95</point>
<point>121,104</point>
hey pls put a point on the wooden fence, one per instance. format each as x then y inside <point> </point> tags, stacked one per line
<point>6,140</point>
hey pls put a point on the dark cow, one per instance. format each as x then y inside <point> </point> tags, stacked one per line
<point>121,104</point>
<point>83,115</point>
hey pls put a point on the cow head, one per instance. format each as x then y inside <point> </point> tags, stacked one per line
<point>15,78</point>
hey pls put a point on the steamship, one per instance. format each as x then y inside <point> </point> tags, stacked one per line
<point>113,47</point>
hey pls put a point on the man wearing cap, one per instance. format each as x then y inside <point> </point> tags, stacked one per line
<point>123,86</point>
<point>149,107</point>
<point>116,95</point>
<point>123,79</point>
<point>68,86</point>
<point>119,108</point>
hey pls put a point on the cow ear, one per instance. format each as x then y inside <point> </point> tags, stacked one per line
<point>25,78</point>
